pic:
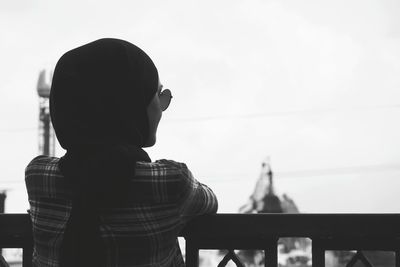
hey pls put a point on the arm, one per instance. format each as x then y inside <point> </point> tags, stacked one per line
<point>197,198</point>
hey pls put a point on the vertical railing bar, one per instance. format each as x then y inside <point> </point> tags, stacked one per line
<point>397,258</point>
<point>265,258</point>
<point>318,253</point>
<point>27,257</point>
<point>271,253</point>
<point>192,254</point>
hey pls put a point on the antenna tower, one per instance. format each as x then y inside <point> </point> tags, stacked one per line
<point>46,131</point>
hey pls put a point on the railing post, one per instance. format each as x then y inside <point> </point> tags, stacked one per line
<point>192,253</point>
<point>397,256</point>
<point>318,253</point>
<point>27,257</point>
<point>271,254</point>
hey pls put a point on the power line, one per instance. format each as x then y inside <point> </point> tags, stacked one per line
<point>314,173</point>
<point>282,113</point>
<point>248,116</point>
<point>297,174</point>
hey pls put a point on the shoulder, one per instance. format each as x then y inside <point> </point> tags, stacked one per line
<point>166,180</point>
<point>166,163</point>
<point>42,163</point>
<point>162,167</point>
<point>43,177</point>
<point>42,166</point>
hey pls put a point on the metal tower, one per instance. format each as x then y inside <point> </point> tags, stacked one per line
<point>3,197</point>
<point>46,131</point>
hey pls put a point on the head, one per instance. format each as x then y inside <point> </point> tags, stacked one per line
<point>106,92</point>
<point>158,104</point>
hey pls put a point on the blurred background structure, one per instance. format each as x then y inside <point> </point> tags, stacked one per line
<point>46,132</point>
<point>264,199</point>
<point>3,197</point>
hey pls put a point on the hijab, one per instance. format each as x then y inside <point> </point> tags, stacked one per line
<point>98,106</point>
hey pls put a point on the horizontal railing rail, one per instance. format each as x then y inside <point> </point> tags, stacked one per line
<point>262,231</point>
<point>257,231</point>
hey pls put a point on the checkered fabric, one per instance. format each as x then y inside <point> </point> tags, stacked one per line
<point>142,234</point>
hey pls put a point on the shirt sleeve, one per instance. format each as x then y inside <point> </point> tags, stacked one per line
<point>197,198</point>
<point>194,198</point>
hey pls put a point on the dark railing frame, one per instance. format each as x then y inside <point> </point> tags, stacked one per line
<point>16,232</point>
<point>256,231</point>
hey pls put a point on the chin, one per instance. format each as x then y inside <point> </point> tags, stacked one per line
<point>150,142</point>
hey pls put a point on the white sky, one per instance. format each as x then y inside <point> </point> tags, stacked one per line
<point>312,84</point>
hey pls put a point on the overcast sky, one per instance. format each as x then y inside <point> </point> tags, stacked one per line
<point>315,85</point>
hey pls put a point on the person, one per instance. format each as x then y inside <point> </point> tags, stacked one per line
<point>105,203</point>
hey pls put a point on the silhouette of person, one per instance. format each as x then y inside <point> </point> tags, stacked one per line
<point>105,203</point>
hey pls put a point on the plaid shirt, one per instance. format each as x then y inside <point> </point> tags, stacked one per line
<point>168,196</point>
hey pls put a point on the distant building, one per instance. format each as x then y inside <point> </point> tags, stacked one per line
<point>288,205</point>
<point>46,131</point>
<point>264,200</point>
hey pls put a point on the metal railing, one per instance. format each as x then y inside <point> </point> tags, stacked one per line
<point>257,231</point>
<point>16,232</point>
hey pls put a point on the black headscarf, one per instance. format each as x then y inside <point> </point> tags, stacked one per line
<point>98,105</point>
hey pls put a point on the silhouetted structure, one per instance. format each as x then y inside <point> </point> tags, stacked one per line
<point>46,132</point>
<point>264,200</point>
<point>271,203</point>
<point>3,197</point>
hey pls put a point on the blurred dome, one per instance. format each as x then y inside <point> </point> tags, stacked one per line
<point>44,83</point>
